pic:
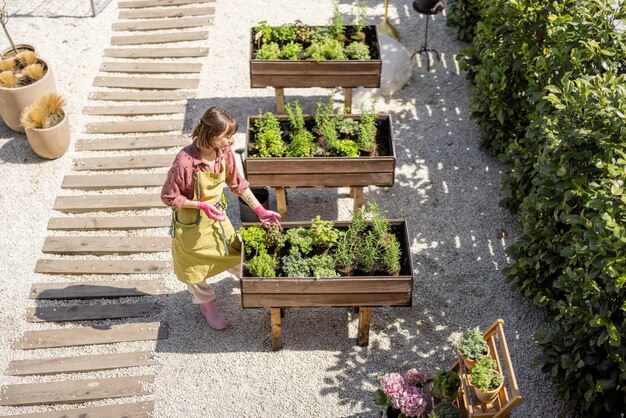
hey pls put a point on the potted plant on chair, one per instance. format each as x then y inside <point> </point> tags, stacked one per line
<point>486,379</point>
<point>471,347</point>
<point>47,126</point>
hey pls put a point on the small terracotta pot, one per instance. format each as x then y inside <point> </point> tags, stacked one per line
<point>9,52</point>
<point>490,396</point>
<point>13,101</point>
<point>50,143</point>
<point>469,363</point>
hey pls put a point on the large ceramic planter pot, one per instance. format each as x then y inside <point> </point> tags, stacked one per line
<point>285,292</point>
<point>469,363</point>
<point>50,143</point>
<point>309,73</point>
<point>323,171</point>
<point>9,52</point>
<point>13,101</point>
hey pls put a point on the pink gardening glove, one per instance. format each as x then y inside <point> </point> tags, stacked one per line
<point>267,217</point>
<point>211,212</point>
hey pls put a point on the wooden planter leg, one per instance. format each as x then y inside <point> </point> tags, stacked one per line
<point>281,203</point>
<point>277,342</point>
<point>365,319</point>
<point>347,99</point>
<point>280,100</point>
<point>357,194</point>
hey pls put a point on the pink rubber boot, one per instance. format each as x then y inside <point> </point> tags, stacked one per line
<point>213,317</point>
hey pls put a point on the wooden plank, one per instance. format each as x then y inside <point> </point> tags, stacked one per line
<point>79,336</point>
<point>159,38</point>
<point>134,110</point>
<point>277,342</point>
<point>155,52</point>
<point>113,181</point>
<point>90,312</point>
<point>155,96</point>
<point>323,300</point>
<point>132,143</point>
<point>365,319</point>
<point>126,162</point>
<point>92,223</point>
<point>135,126</point>
<point>76,364</point>
<point>281,202</point>
<point>151,67</point>
<point>313,165</point>
<point>167,12</point>
<point>321,179</point>
<point>127,410</point>
<point>74,390</point>
<point>63,266</point>
<point>345,285</point>
<point>146,83</point>
<point>107,203</point>
<point>159,24</point>
<point>97,289</point>
<point>131,4</point>
<point>105,245</point>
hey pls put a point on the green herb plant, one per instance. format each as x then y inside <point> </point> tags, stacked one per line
<point>472,345</point>
<point>446,385</point>
<point>268,138</point>
<point>255,239</point>
<point>445,410</point>
<point>262,265</point>
<point>357,51</point>
<point>290,51</point>
<point>299,240</point>
<point>484,375</point>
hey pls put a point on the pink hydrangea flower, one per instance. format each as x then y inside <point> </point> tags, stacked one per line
<point>414,378</point>
<point>393,385</point>
<point>412,402</point>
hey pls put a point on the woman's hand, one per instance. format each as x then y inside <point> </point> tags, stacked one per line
<point>267,217</point>
<point>211,211</point>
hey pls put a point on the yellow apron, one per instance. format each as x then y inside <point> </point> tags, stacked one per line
<point>198,244</point>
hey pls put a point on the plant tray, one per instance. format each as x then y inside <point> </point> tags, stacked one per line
<point>308,73</point>
<point>286,292</point>
<point>324,171</point>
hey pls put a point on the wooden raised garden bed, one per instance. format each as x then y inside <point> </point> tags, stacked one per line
<point>307,73</point>
<point>323,171</point>
<point>359,290</point>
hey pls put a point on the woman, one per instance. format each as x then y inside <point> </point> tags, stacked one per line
<point>204,242</point>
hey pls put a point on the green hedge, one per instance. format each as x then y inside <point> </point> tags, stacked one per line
<point>549,104</point>
<point>464,15</point>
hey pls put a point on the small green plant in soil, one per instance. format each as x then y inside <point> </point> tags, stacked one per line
<point>262,265</point>
<point>302,141</point>
<point>255,238</point>
<point>445,410</point>
<point>295,266</point>
<point>484,375</point>
<point>358,51</point>
<point>268,138</point>
<point>284,33</point>
<point>446,385</point>
<point>359,22</point>
<point>291,51</point>
<point>323,233</point>
<point>269,51</point>
<point>367,130</point>
<point>323,266</point>
<point>299,240</point>
<point>472,345</point>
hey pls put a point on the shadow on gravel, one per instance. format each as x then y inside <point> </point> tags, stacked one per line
<point>17,150</point>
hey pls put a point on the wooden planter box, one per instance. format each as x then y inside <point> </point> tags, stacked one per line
<point>307,73</point>
<point>324,171</point>
<point>286,292</point>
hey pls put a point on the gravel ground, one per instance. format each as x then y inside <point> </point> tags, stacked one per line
<point>446,188</point>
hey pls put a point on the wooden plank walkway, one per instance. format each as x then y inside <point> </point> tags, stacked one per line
<point>146,83</point>
<point>132,143</point>
<point>159,38</point>
<point>113,181</point>
<point>151,67</point>
<point>126,410</point>
<point>97,289</point>
<point>108,203</point>
<point>90,312</point>
<point>62,266</point>
<point>129,96</point>
<point>76,364</point>
<point>155,52</point>
<point>167,12</point>
<point>94,223</point>
<point>74,391</point>
<point>123,163</point>
<point>135,126</point>
<point>134,110</point>
<point>79,336</point>
<point>160,24</point>
<point>155,3</point>
<point>105,245</point>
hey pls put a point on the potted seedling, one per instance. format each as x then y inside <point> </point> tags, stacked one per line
<point>471,347</point>
<point>323,149</point>
<point>23,79</point>
<point>47,126</point>
<point>486,379</point>
<point>446,385</point>
<point>14,49</point>
<point>445,410</point>
<point>298,55</point>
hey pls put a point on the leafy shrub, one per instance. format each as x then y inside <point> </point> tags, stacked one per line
<point>347,126</point>
<point>269,51</point>
<point>275,237</point>
<point>254,239</point>
<point>268,138</point>
<point>284,33</point>
<point>296,117</point>
<point>299,240</point>
<point>326,49</point>
<point>472,345</point>
<point>323,233</point>
<point>484,376</point>
<point>346,148</point>
<point>367,130</point>
<point>322,266</point>
<point>391,254</point>
<point>291,51</point>
<point>296,266</point>
<point>464,15</point>
<point>445,410</point>
<point>446,385</point>
<point>302,144</point>
<point>358,51</point>
<point>345,253</point>
<point>265,31</point>
<point>262,265</point>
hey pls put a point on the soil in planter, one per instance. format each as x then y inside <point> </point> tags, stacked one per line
<point>383,145</point>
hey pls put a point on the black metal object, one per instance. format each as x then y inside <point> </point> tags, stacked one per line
<point>428,8</point>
